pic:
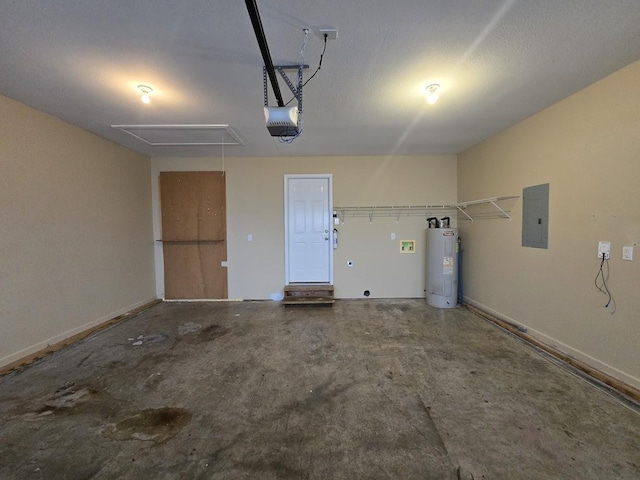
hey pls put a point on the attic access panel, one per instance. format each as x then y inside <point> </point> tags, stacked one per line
<point>535,216</point>
<point>183,135</point>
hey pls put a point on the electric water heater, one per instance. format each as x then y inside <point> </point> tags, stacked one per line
<point>442,267</point>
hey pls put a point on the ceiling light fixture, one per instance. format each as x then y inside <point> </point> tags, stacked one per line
<point>432,93</point>
<point>146,91</point>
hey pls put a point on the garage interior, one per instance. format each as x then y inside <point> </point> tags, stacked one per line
<point>114,366</point>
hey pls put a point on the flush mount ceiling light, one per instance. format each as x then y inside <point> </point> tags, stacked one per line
<point>432,93</point>
<point>146,91</point>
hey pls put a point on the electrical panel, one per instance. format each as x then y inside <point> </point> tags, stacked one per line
<point>535,216</point>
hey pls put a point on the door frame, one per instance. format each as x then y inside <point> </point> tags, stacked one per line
<point>329,212</point>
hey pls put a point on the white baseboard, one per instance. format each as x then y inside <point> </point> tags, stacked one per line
<point>187,300</point>
<point>562,347</point>
<point>25,352</point>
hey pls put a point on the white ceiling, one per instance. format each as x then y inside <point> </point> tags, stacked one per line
<point>498,61</point>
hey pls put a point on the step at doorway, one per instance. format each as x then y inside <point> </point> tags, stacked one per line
<point>317,294</point>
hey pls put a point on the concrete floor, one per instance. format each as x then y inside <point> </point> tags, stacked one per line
<point>368,389</point>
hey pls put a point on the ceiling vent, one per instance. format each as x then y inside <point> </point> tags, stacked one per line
<point>183,135</point>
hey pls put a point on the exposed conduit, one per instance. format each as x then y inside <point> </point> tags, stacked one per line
<point>252,7</point>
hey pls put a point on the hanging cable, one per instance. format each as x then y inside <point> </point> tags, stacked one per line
<point>317,69</point>
<point>604,278</point>
<point>324,49</point>
<point>287,139</point>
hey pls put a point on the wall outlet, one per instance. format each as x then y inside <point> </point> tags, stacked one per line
<point>330,32</point>
<point>627,253</point>
<point>393,236</point>
<point>604,248</point>
<point>249,238</point>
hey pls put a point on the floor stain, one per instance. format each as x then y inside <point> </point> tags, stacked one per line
<point>212,332</point>
<point>66,397</point>
<point>322,396</point>
<point>76,400</point>
<point>151,362</point>
<point>146,339</point>
<point>278,467</point>
<point>391,307</point>
<point>83,360</point>
<point>154,424</point>
<point>189,327</point>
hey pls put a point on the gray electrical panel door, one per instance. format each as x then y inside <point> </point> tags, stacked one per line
<point>535,216</point>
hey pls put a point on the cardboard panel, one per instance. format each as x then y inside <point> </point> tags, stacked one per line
<point>192,270</point>
<point>193,206</point>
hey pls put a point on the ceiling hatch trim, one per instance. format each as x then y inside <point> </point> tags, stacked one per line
<point>183,135</point>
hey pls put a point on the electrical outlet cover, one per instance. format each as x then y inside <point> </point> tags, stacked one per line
<point>330,32</point>
<point>627,253</point>
<point>604,247</point>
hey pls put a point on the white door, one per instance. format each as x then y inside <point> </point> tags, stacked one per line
<point>308,229</point>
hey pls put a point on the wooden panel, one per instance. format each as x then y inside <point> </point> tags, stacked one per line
<point>192,270</point>
<point>194,234</point>
<point>193,206</point>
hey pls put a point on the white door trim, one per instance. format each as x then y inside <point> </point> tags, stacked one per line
<point>329,177</point>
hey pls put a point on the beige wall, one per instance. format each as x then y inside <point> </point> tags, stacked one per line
<point>75,237</point>
<point>255,205</point>
<point>587,147</point>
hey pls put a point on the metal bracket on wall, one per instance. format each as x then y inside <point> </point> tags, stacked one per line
<point>499,212</point>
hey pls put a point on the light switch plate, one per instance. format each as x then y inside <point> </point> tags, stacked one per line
<point>393,236</point>
<point>604,247</point>
<point>627,253</point>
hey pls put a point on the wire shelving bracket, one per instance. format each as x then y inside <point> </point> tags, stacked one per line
<point>427,210</point>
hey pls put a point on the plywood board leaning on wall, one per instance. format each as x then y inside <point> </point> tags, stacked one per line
<point>193,206</point>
